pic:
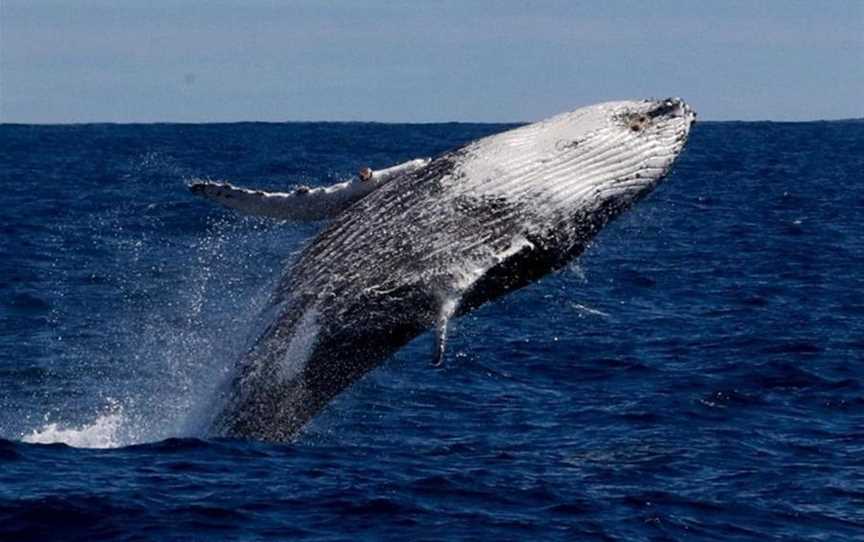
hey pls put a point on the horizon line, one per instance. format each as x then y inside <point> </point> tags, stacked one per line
<point>415,123</point>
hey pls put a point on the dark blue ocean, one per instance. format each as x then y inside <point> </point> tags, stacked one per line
<point>698,374</point>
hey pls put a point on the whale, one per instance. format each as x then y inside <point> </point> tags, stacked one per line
<point>437,241</point>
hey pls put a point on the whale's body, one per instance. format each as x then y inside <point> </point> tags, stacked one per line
<point>472,225</point>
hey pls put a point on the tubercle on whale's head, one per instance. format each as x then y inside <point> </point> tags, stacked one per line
<point>647,118</point>
<point>625,124</point>
<point>660,128</point>
<point>560,161</point>
<point>657,114</point>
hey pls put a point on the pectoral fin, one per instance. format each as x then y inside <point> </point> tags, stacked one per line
<point>448,309</point>
<point>457,292</point>
<point>302,203</point>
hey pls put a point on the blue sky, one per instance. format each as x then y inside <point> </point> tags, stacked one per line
<point>183,61</point>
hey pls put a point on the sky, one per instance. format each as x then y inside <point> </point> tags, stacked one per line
<point>373,60</point>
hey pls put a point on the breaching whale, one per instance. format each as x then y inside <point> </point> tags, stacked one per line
<point>436,240</point>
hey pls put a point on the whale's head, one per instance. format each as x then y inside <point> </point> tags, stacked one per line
<point>602,155</point>
<point>611,153</point>
<point>563,178</point>
<point>566,176</point>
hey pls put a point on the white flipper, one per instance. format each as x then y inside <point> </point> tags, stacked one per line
<point>302,203</point>
<point>448,309</point>
<point>450,302</point>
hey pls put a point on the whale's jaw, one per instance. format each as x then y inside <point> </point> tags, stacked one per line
<point>471,226</point>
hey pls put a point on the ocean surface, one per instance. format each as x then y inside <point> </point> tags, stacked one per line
<point>698,374</point>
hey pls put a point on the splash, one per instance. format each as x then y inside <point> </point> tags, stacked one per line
<point>184,312</point>
<point>189,339</point>
<point>105,432</point>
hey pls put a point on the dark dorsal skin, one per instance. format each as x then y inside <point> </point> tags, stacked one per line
<point>457,233</point>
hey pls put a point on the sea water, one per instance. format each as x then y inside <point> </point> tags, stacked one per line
<point>698,374</point>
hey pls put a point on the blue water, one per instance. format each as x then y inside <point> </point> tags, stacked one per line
<point>697,375</point>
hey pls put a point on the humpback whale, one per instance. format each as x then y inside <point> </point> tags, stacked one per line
<point>436,241</point>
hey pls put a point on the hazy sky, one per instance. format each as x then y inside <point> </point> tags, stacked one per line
<point>208,61</point>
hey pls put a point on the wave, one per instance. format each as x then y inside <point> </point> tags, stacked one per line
<point>105,432</point>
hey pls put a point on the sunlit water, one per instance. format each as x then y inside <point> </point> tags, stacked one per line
<point>696,375</point>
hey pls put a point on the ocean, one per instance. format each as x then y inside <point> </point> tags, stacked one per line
<point>698,374</point>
